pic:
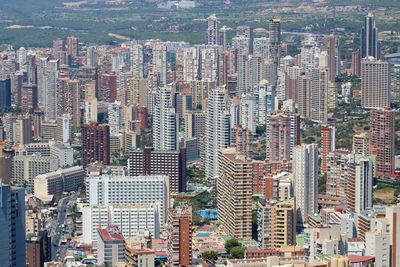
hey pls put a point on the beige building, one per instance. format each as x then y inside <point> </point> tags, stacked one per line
<point>137,92</point>
<point>276,223</point>
<point>63,180</point>
<point>375,89</point>
<point>382,142</point>
<point>361,144</point>
<point>26,168</point>
<point>234,191</point>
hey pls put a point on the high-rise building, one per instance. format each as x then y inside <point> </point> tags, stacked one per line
<point>275,40</point>
<point>305,169</point>
<point>212,30</point>
<point>361,144</point>
<point>91,56</point>
<point>107,87</point>
<point>5,93</point>
<point>68,99</point>
<point>121,190</point>
<point>115,118</point>
<point>356,63</point>
<point>153,162</point>
<point>90,115</point>
<point>22,130</point>
<point>137,92</point>
<point>393,215</point>
<point>382,142</point>
<point>327,145</point>
<point>38,249</point>
<point>282,135</point>
<point>336,168</point>
<point>12,222</point>
<point>276,223</point>
<point>375,87</point>
<point>137,60</point>
<point>179,239</point>
<point>72,46</point>
<point>159,63</point>
<point>29,97</point>
<point>331,47</point>
<point>47,74</point>
<point>234,191</point>
<point>209,64</point>
<point>95,144</point>
<point>359,183</point>
<point>369,38</point>
<point>165,121</point>
<point>217,130</point>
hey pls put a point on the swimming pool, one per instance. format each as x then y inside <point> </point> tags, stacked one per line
<point>209,214</point>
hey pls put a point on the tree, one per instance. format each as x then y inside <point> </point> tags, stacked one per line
<point>210,256</point>
<point>231,243</point>
<point>238,252</point>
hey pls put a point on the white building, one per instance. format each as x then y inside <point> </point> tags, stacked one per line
<point>217,130</point>
<point>305,170</point>
<point>130,190</point>
<point>90,110</point>
<point>165,121</point>
<point>377,244</point>
<point>137,60</point>
<point>160,62</point>
<point>248,112</point>
<point>115,118</point>
<point>209,64</point>
<point>130,219</point>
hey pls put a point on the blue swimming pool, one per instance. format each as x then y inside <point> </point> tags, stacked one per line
<point>209,214</point>
<point>203,234</point>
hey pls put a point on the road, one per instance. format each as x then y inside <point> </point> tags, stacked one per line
<point>56,231</point>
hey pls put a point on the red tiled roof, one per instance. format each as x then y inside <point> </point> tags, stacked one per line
<point>107,236</point>
<point>356,258</point>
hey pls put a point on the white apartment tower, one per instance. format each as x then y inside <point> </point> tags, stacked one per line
<point>217,130</point>
<point>115,118</point>
<point>137,60</point>
<point>305,169</point>
<point>165,122</point>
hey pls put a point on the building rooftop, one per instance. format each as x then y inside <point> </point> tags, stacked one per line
<point>107,235</point>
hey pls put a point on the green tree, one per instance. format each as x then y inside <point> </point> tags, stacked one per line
<point>210,256</point>
<point>231,243</point>
<point>238,252</point>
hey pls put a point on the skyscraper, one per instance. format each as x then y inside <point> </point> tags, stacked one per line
<point>275,40</point>
<point>359,183</point>
<point>179,238</point>
<point>305,169</point>
<point>5,93</point>
<point>165,125</point>
<point>137,60</point>
<point>369,37</point>
<point>382,142</point>
<point>212,30</point>
<point>95,144</point>
<point>159,63</point>
<point>282,135</point>
<point>375,87</point>
<point>12,222</point>
<point>327,145</point>
<point>234,191</point>
<point>276,223</point>
<point>217,130</point>
<point>107,87</point>
<point>115,118</point>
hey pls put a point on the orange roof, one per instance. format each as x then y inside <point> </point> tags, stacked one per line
<point>356,259</point>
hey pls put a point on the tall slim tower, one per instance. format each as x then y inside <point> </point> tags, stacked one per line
<point>305,169</point>
<point>160,63</point>
<point>137,60</point>
<point>369,37</point>
<point>212,30</point>
<point>166,128</point>
<point>217,130</point>
<point>275,40</point>
<point>179,240</point>
<point>115,118</point>
<point>327,145</point>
